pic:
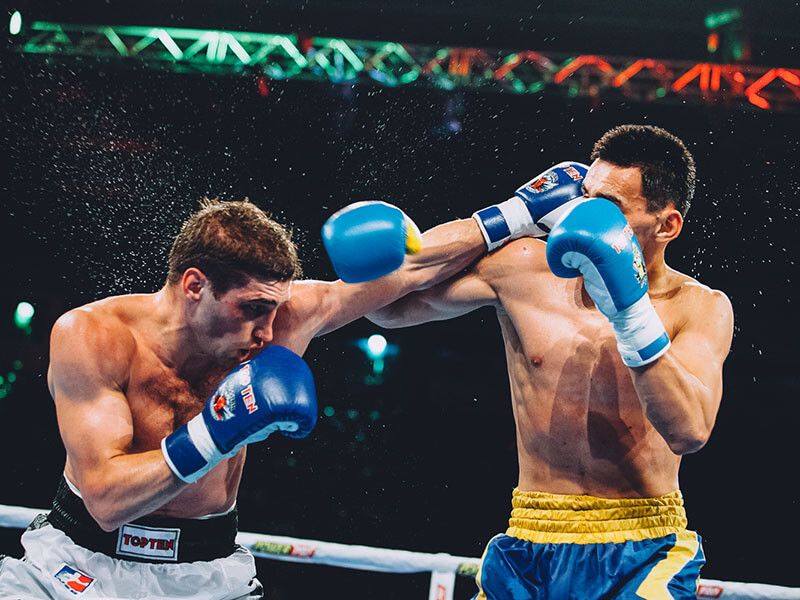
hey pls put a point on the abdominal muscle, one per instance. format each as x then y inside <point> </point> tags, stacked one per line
<point>580,426</point>
<point>213,494</point>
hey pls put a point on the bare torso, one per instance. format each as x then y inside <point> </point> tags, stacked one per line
<point>160,400</point>
<point>581,428</point>
<point>125,372</point>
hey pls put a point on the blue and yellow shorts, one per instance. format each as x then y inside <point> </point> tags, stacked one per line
<point>563,547</point>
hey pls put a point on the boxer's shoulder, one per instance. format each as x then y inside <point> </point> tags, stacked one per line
<point>98,335</point>
<point>520,259</point>
<point>682,289</point>
<point>109,320</point>
<point>525,253</point>
<point>686,299</point>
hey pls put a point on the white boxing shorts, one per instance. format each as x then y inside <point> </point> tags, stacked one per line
<point>55,567</point>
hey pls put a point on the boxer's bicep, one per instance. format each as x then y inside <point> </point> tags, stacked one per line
<point>95,424</point>
<point>94,417</point>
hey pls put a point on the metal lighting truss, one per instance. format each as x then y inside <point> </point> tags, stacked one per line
<point>276,56</point>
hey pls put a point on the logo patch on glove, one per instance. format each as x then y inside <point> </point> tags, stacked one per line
<point>225,398</point>
<point>223,406</point>
<point>623,239</point>
<point>638,266</point>
<point>547,181</point>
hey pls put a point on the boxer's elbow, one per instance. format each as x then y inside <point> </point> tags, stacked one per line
<point>105,516</point>
<point>386,318</point>
<point>110,525</point>
<point>686,445</point>
<point>687,440</point>
<point>400,313</point>
<point>106,512</point>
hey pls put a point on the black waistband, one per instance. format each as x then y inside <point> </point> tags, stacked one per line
<point>195,540</point>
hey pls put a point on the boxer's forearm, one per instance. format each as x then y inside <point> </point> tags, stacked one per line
<point>325,306</point>
<point>128,486</point>
<point>446,250</point>
<point>681,390</point>
<point>677,403</point>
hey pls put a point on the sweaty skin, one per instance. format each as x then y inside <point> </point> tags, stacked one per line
<point>586,423</point>
<point>126,371</point>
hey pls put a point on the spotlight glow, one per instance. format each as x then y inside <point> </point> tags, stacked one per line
<point>376,345</point>
<point>15,23</point>
<point>23,314</point>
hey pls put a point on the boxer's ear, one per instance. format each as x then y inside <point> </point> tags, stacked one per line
<point>670,224</point>
<point>193,283</point>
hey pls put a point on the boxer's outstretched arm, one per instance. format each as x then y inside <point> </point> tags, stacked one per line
<point>681,391</point>
<point>447,300</point>
<point>506,274</point>
<point>90,360</point>
<point>319,307</point>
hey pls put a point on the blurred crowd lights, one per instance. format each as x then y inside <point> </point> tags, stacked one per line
<point>23,316</point>
<point>9,378</point>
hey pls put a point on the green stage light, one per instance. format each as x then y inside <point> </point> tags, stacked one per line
<point>15,23</point>
<point>376,346</point>
<point>377,349</point>
<point>718,19</point>
<point>23,315</point>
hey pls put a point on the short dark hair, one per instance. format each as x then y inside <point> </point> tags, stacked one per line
<point>230,242</point>
<point>668,172</point>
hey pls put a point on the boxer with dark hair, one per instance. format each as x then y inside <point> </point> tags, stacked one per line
<point>615,365</point>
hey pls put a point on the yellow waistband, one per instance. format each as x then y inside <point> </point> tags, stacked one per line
<point>558,519</point>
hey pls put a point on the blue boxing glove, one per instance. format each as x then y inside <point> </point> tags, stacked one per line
<point>595,240</point>
<point>534,208</point>
<point>367,240</point>
<point>273,392</point>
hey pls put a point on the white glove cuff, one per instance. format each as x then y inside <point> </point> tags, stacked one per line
<point>517,219</point>
<point>201,439</point>
<point>554,217</point>
<point>641,337</point>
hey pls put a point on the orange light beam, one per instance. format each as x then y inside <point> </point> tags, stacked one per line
<point>579,62</point>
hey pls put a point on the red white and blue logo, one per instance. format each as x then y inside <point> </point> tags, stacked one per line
<point>545,182</point>
<point>223,405</point>
<point>75,581</point>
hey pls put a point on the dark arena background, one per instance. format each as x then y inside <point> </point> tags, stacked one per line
<point>109,140</point>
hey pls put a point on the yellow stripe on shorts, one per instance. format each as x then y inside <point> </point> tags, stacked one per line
<point>654,586</point>
<point>481,594</point>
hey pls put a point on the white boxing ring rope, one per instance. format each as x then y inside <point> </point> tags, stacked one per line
<point>443,567</point>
